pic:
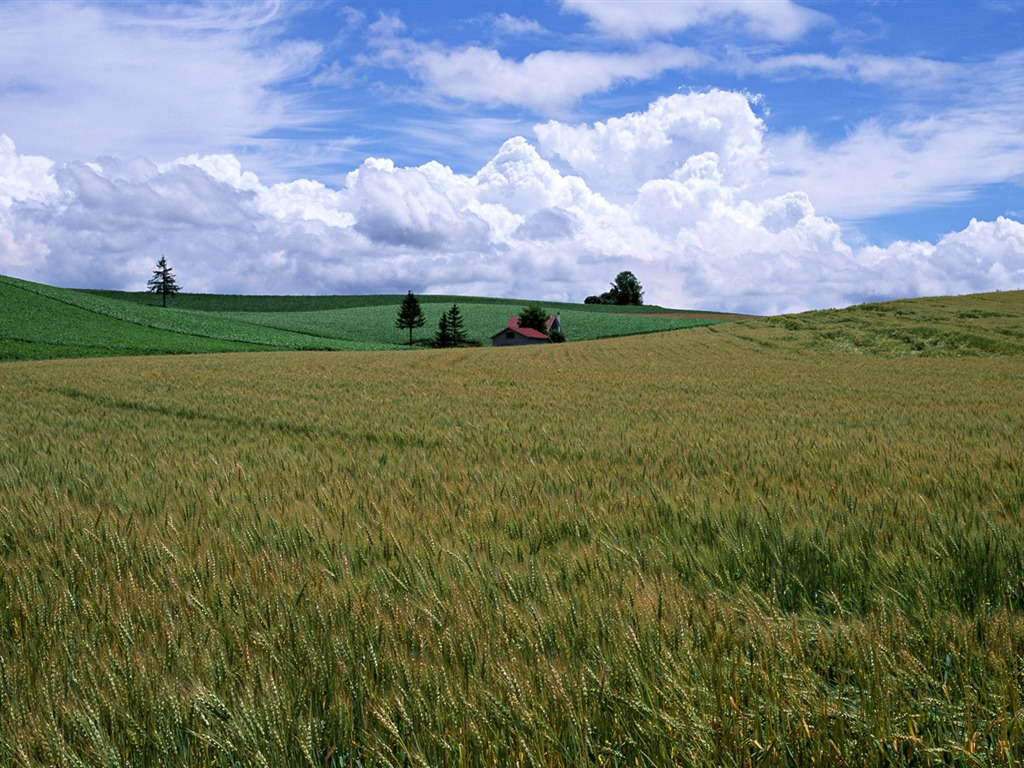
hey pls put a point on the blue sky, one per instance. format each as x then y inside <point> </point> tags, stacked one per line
<point>763,156</point>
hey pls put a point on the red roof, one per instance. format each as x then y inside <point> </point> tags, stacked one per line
<point>530,333</point>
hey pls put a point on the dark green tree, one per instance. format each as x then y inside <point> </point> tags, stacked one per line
<point>626,289</point>
<point>163,281</point>
<point>451,331</point>
<point>410,315</point>
<point>456,326</point>
<point>443,337</point>
<point>533,317</point>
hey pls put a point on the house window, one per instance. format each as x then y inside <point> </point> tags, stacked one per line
<point>510,334</point>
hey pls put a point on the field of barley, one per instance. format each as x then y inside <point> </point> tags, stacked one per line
<point>786,541</point>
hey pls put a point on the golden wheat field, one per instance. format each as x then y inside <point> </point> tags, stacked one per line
<point>705,547</point>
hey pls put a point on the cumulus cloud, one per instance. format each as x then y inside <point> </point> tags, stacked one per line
<point>414,207</point>
<point>522,182</point>
<point>984,256</point>
<point>678,194</point>
<point>617,156</point>
<point>24,178</point>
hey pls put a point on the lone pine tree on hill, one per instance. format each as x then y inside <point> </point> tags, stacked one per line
<point>410,315</point>
<point>163,281</point>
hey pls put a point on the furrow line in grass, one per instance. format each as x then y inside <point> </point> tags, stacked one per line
<point>255,424</point>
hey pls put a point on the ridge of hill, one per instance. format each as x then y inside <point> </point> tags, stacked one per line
<point>227,302</point>
<point>981,324</point>
<point>42,322</point>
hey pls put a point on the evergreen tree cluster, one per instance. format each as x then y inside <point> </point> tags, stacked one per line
<point>451,331</point>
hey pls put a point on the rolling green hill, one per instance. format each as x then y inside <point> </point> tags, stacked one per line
<point>41,322</point>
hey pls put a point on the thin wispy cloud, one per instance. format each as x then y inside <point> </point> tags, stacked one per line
<point>506,24</point>
<point>888,170</point>
<point>633,19</point>
<point>82,80</point>
<point>546,82</point>
<point>747,156</point>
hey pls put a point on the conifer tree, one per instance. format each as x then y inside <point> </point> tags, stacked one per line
<point>451,329</point>
<point>410,314</point>
<point>163,281</point>
<point>443,337</point>
<point>456,326</point>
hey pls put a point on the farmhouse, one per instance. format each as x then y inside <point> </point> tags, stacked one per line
<point>512,334</point>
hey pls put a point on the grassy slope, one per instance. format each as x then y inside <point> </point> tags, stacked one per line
<point>759,543</point>
<point>39,322</point>
<point>978,324</point>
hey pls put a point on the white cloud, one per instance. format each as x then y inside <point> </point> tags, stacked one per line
<point>302,199</point>
<point>675,193</point>
<point>413,207</point>
<point>85,80</point>
<point>517,25</point>
<point>28,183</point>
<point>617,156</point>
<point>780,20</point>
<point>521,181</point>
<point>891,71</point>
<point>547,82</point>
<point>24,178</point>
<point>880,169</point>
<point>984,256</point>
<point>955,129</point>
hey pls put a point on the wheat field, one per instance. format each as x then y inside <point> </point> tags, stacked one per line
<point>705,547</point>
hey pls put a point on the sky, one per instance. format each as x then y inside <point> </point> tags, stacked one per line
<point>760,156</point>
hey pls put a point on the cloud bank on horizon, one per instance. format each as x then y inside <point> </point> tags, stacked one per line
<point>758,157</point>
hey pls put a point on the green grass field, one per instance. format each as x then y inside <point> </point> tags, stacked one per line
<point>42,322</point>
<point>780,541</point>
